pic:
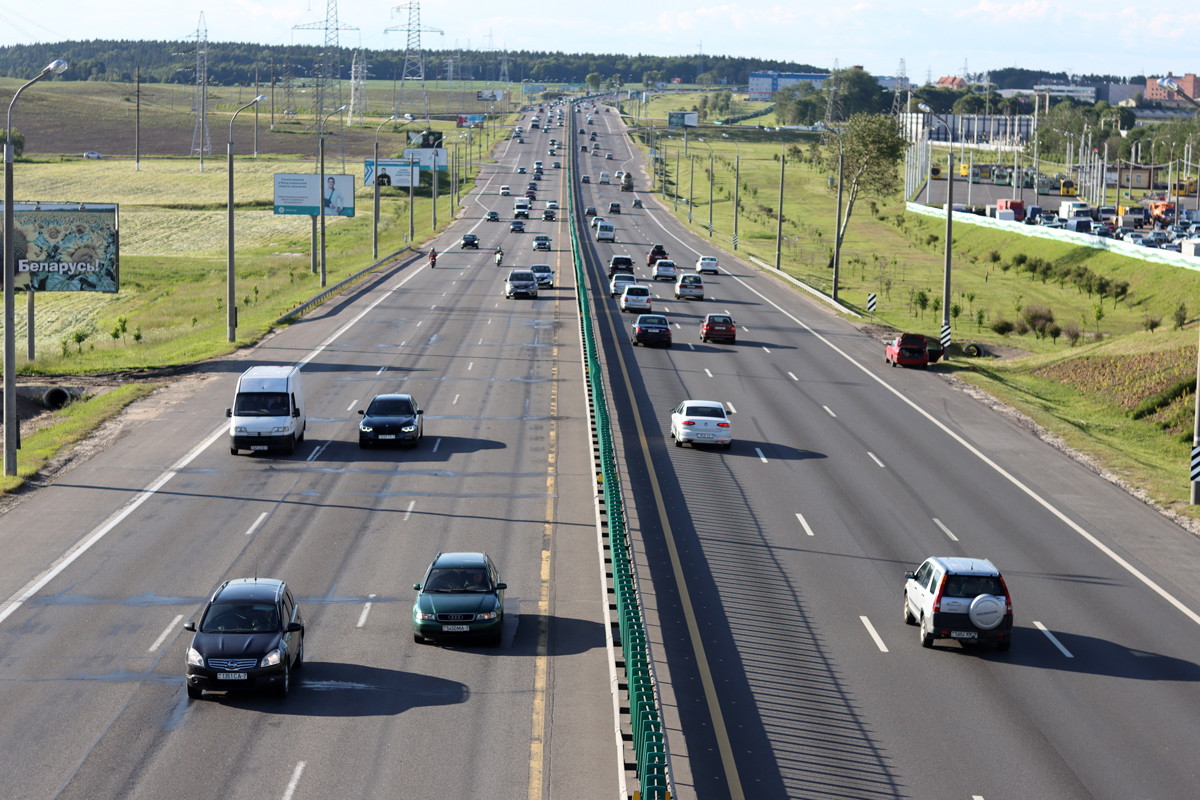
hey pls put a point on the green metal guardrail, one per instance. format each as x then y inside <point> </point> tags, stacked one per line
<point>649,740</point>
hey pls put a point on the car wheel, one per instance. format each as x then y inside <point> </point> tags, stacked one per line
<point>704,339</point>
<point>925,638</point>
<point>909,619</point>
<point>728,445</point>
<point>1004,645</point>
<point>233,451</point>
<point>194,692</point>
<point>418,638</point>
<point>285,685</point>
<point>299,662</point>
<point>291,447</point>
<point>893,363</point>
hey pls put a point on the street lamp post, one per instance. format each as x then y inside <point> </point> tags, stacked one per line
<point>12,433</point>
<point>711,181</point>
<point>230,274</point>
<point>779,218</point>
<point>737,182</point>
<point>321,185</point>
<point>375,172</point>
<point>837,230</point>
<point>1167,83</point>
<point>949,231</point>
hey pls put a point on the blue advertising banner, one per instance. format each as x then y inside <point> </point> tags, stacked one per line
<point>303,194</point>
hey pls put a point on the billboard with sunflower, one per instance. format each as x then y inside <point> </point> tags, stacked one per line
<point>65,247</point>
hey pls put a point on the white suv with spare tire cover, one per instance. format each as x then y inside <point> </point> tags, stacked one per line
<point>950,597</point>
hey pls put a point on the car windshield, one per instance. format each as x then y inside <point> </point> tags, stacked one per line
<point>719,319</point>
<point>703,411</point>
<point>662,321</point>
<point>637,291</point>
<point>457,579</point>
<point>240,617</point>
<point>261,404</point>
<point>390,407</point>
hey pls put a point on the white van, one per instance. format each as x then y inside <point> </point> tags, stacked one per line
<point>505,191</point>
<point>604,177</point>
<point>268,410</point>
<point>606,232</point>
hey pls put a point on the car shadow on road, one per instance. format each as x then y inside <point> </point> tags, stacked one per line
<point>746,447</point>
<point>334,689</point>
<point>1090,655</point>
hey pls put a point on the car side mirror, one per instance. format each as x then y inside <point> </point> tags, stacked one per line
<point>295,412</point>
<point>229,412</point>
<point>362,411</point>
<point>910,575</point>
<point>501,586</point>
<point>294,627</point>
<point>189,626</point>
<point>419,411</point>
<point>417,587</point>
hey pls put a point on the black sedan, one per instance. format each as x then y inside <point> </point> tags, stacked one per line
<point>493,216</point>
<point>469,240</point>
<point>391,419</point>
<point>251,636</point>
<point>516,226</point>
<point>652,329</point>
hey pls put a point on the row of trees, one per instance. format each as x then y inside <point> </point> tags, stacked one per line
<point>234,63</point>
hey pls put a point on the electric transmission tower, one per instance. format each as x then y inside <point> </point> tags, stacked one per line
<point>358,86</point>
<point>201,145</point>
<point>414,59</point>
<point>899,102</point>
<point>328,83</point>
<point>833,100</point>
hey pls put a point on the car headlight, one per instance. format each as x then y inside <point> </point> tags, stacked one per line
<point>487,615</point>
<point>272,658</point>
<point>365,428</point>
<point>279,429</point>
<point>239,429</point>
<point>194,659</point>
<point>409,428</point>
<point>421,616</point>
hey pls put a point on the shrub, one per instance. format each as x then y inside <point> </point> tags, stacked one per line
<point>1073,334</point>
<point>994,256</point>
<point>1002,327</point>
<point>1151,322</point>
<point>1037,318</point>
<point>1180,316</point>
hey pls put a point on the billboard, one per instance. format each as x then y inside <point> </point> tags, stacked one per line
<point>392,172</point>
<point>682,119</point>
<point>303,194</point>
<point>490,95</point>
<point>65,247</point>
<point>426,157</point>
<point>533,88</point>
<point>469,121</point>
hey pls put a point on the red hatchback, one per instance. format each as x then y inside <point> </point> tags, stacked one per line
<point>718,327</point>
<point>907,350</point>
<point>656,252</point>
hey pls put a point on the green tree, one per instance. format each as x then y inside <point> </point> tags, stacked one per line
<point>873,148</point>
<point>18,141</point>
<point>593,80</point>
<point>858,92</point>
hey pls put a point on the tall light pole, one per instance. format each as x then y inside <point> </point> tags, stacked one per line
<point>837,230</point>
<point>1167,83</point>
<point>375,172</point>
<point>12,433</point>
<point>230,275</point>
<point>711,181</point>
<point>321,185</point>
<point>779,217</point>
<point>949,231</point>
<point>737,182</point>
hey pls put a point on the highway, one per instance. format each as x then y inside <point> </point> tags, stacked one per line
<point>771,572</point>
<point>102,568</point>
<point>778,567</point>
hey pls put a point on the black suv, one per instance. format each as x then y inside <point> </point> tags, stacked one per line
<point>619,264</point>
<point>251,636</point>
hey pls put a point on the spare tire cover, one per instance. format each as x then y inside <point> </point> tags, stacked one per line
<point>987,611</point>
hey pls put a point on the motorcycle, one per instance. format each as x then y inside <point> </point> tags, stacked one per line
<point>432,260</point>
<point>499,257</point>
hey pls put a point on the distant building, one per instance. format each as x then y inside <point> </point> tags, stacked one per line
<point>1084,94</point>
<point>976,129</point>
<point>764,85</point>
<point>951,82</point>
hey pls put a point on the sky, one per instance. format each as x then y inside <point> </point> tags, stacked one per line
<point>931,38</point>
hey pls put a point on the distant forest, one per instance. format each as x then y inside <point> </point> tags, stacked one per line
<point>231,63</point>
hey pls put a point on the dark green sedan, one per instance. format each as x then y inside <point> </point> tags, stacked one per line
<point>460,598</point>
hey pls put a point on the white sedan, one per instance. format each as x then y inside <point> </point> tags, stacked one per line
<point>701,422</point>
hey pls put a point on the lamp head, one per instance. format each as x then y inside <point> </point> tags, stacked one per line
<point>260,98</point>
<point>55,67</point>
<point>1169,83</point>
<point>925,107</point>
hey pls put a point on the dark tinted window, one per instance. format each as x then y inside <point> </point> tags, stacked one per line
<point>240,617</point>
<point>972,585</point>
<point>704,411</point>
<point>391,406</point>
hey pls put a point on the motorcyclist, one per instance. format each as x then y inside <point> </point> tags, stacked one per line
<point>432,257</point>
<point>499,255</point>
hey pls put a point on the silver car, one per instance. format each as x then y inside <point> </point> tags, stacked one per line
<point>544,274</point>
<point>520,282</point>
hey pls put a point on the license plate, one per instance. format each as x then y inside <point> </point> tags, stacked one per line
<point>455,628</point>
<point>964,635</point>
<point>258,447</point>
<point>387,436</point>
<point>704,436</point>
<point>232,676</point>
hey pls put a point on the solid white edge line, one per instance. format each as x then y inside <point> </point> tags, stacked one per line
<point>34,586</point>
<point>294,782</point>
<point>362,618</point>
<point>804,522</point>
<point>874,634</point>
<point>166,632</point>
<point>1053,639</point>
<point>945,530</point>
<point>257,522</point>
<point>875,458</point>
<point>970,448</point>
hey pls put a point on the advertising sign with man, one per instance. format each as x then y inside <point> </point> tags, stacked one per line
<point>304,194</point>
<point>392,172</point>
<point>65,247</point>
